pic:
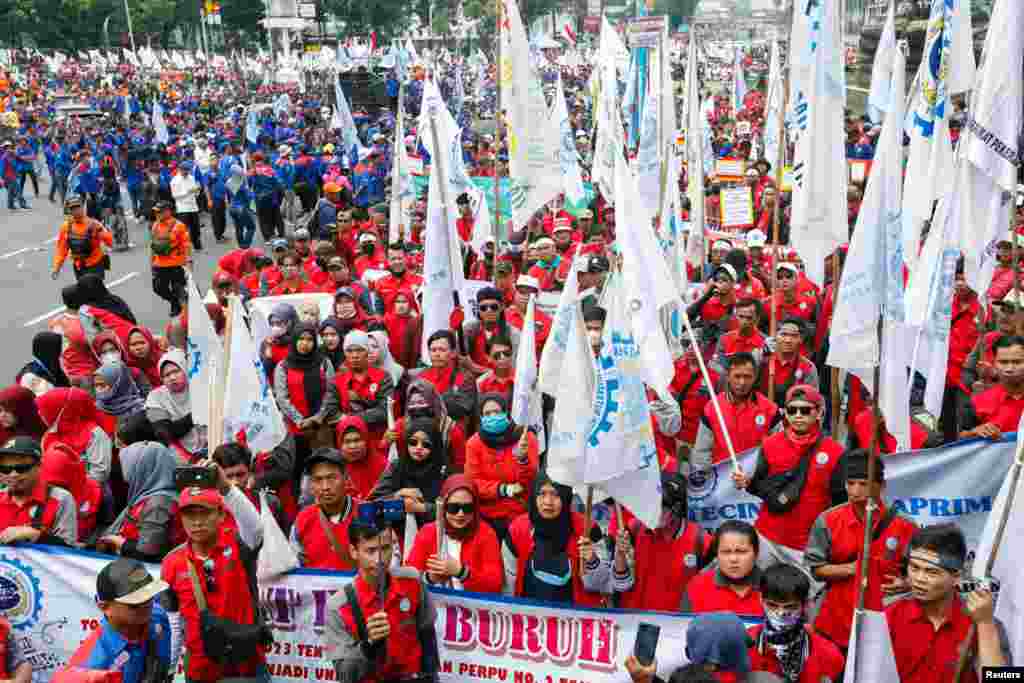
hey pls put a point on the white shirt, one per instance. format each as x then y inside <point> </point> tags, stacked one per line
<point>185,189</point>
<point>202,156</point>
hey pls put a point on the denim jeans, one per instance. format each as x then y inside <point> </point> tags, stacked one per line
<point>245,226</point>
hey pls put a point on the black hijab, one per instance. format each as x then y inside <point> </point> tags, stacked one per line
<point>310,364</point>
<point>549,570</point>
<point>506,438</point>
<point>93,291</point>
<point>337,357</point>
<point>551,535</point>
<point>427,476</point>
<point>46,348</point>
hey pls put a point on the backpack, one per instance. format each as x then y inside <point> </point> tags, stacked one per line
<point>80,245</point>
<point>161,241</point>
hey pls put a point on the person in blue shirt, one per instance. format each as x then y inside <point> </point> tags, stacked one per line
<point>134,636</point>
<point>218,195</point>
<point>237,186</point>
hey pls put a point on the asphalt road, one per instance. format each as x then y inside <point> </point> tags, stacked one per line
<point>29,297</point>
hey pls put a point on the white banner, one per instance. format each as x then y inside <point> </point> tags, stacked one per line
<point>955,483</point>
<point>47,593</point>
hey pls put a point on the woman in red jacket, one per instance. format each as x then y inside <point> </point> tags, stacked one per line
<point>732,583</point>
<point>472,555</point>
<point>543,553</point>
<point>502,460</point>
<point>364,463</point>
<point>144,354</point>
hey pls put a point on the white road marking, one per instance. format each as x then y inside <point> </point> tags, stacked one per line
<point>46,316</point>
<point>24,249</point>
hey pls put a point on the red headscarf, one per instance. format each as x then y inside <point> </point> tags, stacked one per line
<point>148,364</point>
<point>455,483</point>
<point>71,417</point>
<point>21,403</point>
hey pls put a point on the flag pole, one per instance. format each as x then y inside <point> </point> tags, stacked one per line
<point>780,161</point>
<point>497,141</point>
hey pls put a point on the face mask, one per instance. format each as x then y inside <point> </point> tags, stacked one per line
<point>367,248</point>
<point>783,621</point>
<point>110,357</point>
<point>494,424</point>
<point>277,330</point>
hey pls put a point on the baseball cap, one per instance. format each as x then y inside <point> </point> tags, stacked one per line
<point>562,224</point>
<point>786,265</point>
<point>597,264</point>
<point>128,582</point>
<point>756,238</point>
<point>22,445</point>
<point>805,392</point>
<point>367,237</point>
<point>729,270</point>
<point>301,234</point>
<point>345,291</point>
<point>721,244</point>
<point>278,245</point>
<point>194,496</point>
<point>325,454</point>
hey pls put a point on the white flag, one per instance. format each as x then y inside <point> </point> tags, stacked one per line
<point>249,404</point>
<point>349,133</point>
<point>871,658</point>
<point>557,345</point>
<point>205,351</point>
<point>560,135</point>
<point>526,402</point>
<point>872,283</point>
<point>819,222</point>
<point>648,158</point>
<point>695,124</point>
<point>880,96</point>
<point>647,282</point>
<point>992,142</point>
<point>159,127</point>
<point>574,395</point>
<point>535,175</point>
<point>401,183</point>
<point>739,82</point>
<point>773,108</point>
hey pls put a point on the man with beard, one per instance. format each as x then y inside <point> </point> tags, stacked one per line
<point>398,277</point>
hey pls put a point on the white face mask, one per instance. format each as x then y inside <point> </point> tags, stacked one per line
<point>110,357</point>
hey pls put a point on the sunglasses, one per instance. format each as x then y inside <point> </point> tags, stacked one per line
<point>800,410</point>
<point>456,508</point>
<point>502,354</point>
<point>422,443</point>
<point>208,573</point>
<point>17,469</point>
<point>490,308</point>
<point>334,269</point>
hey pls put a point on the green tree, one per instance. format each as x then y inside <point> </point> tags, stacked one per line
<point>388,18</point>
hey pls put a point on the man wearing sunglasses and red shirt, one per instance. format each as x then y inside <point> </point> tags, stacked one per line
<point>31,511</point>
<point>785,525</point>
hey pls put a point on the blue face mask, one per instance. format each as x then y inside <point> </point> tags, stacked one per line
<point>494,424</point>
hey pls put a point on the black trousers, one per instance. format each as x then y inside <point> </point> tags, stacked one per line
<point>169,284</point>
<point>270,220</point>
<point>219,217</point>
<point>191,221</point>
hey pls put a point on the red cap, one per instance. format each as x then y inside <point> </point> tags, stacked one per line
<point>805,392</point>
<point>207,498</point>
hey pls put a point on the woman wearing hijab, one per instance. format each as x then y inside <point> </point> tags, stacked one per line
<point>169,409</point>
<point>542,551</point>
<point>64,468</point>
<point>117,395</point>
<point>418,473</point>
<point>300,386</point>
<point>95,293</point>
<point>143,354</point>
<point>44,371</point>
<point>422,400</point>
<point>76,357</point>
<point>109,348</point>
<point>364,464</point>
<point>330,341</point>
<point>380,357</point>
<point>278,345</point>
<point>149,526</point>
<point>471,558</point>
<point>405,328</point>
<point>718,643</point>
<point>71,421</point>
<point>19,415</point>
<point>503,461</point>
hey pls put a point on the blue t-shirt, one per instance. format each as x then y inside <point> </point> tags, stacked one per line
<point>112,652</point>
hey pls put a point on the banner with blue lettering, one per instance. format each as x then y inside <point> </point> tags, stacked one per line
<point>47,593</point>
<point>954,483</point>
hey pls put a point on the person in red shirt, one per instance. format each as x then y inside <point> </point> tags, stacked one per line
<point>364,460</point>
<point>920,435</point>
<point>359,389</point>
<point>456,388</point>
<point>370,256</point>
<point>319,535</point>
<point>744,338</point>
<point>787,366</point>
<point>749,416</point>
<point>715,306</point>
<point>786,645</point>
<point>212,568</point>
<point>464,223</point>
<point>395,639</point>
<point>928,628</point>
<point>546,265</point>
<point>691,393</point>
<point>31,509</point>
<point>398,278</point>
<point>733,583</point>
<point>782,524</point>
<point>963,338</point>
<point>998,410</point>
<point>293,280</point>
<point>500,378</point>
<point>835,549</point>
<point>792,302</point>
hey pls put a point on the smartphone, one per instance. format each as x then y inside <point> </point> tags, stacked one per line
<point>646,642</point>
<point>968,586</point>
<point>192,476</point>
<point>381,511</point>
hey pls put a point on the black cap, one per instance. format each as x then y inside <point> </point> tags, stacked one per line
<point>127,581</point>
<point>162,204</point>
<point>325,454</point>
<point>22,445</point>
<point>73,201</point>
<point>597,264</point>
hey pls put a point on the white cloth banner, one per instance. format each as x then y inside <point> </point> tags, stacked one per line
<point>49,599</point>
<point>955,483</point>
